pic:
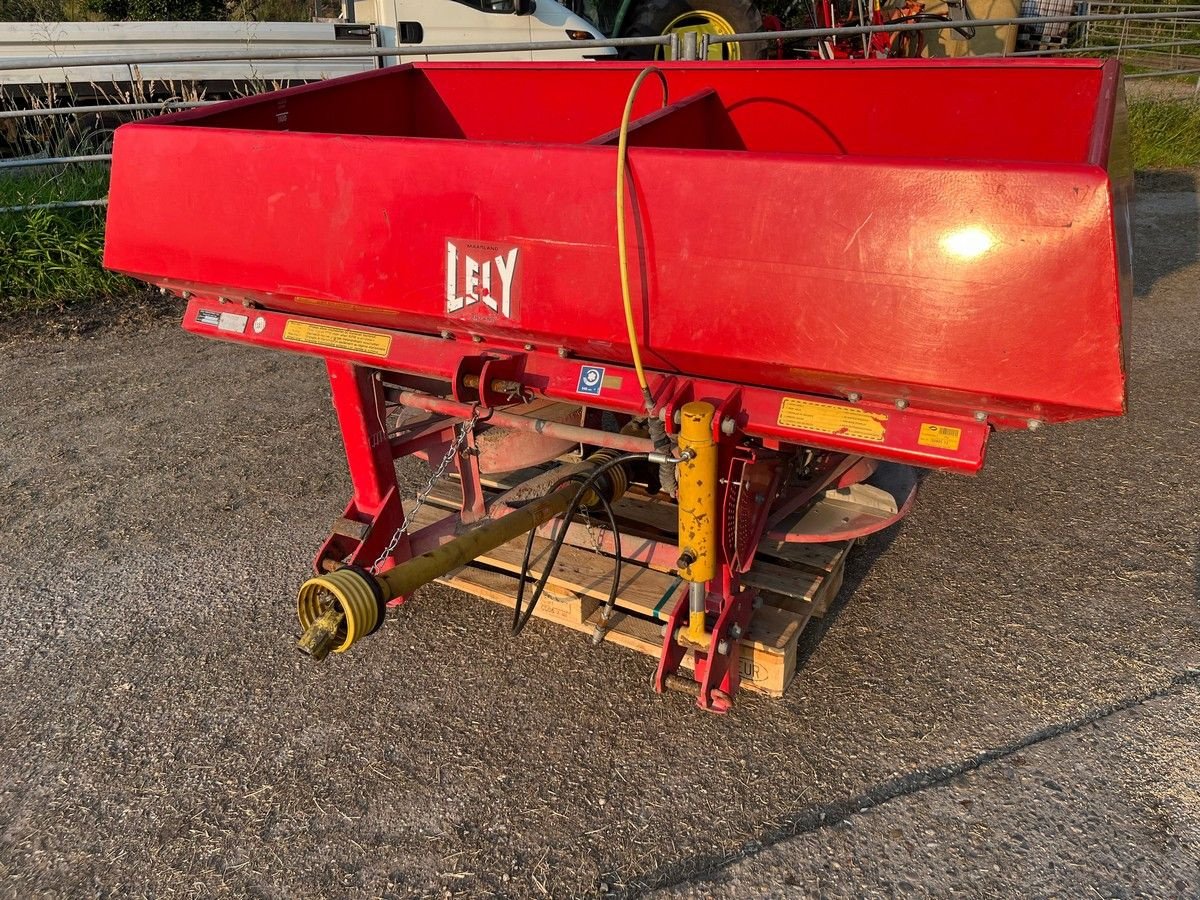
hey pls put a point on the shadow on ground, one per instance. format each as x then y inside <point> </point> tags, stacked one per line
<point>1174,193</point>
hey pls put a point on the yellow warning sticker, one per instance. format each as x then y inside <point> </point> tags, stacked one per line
<point>830,419</point>
<point>944,437</point>
<point>352,340</point>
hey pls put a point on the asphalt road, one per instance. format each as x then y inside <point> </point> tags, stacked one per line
<point>1005,700</point>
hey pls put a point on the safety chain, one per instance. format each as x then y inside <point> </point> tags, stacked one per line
<point>422,495</point>
<point>594,530</point>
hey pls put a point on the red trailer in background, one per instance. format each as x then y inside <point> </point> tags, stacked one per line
<point>824,289</point>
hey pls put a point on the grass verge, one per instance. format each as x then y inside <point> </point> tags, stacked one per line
<point>50,260</point>
<point>1165,133</point>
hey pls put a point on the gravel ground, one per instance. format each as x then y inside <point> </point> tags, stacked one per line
<point>1109,809</point>
<point>1012,669</point>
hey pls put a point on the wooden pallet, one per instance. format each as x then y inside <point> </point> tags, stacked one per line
<point>797,582</point>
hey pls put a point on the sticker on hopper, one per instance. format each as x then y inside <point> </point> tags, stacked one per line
<point>591,380</point>
<point>232,322</point>
<point>845,421</point>
<point>944,437</point>
<point>208,317</point>
<point>352,340</point>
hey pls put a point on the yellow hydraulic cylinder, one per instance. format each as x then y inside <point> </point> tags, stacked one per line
<point>697,478</point>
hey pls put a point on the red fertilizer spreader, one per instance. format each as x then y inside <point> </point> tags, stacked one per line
<point>671,338</point>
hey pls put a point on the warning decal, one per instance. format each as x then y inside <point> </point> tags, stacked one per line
<point>830,419</point>
<point>352,340</point>
<point>944,437</point>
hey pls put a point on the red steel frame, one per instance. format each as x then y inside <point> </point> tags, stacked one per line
<point>754,410</point>
<point>376,511</point>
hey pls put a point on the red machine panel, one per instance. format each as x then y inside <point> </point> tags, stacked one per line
<point>911,230</point>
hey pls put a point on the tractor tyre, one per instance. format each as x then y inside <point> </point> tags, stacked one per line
<point>651,18</point>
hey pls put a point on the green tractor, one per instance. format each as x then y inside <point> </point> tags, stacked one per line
<point>648,18</point>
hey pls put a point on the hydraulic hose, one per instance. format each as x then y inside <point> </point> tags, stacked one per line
<point>658,433</point>
<point>521,613</point>
<point>622,256</point>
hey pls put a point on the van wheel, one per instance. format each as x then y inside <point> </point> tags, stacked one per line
<point>654,17</point>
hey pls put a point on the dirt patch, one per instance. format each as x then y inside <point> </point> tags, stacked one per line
<point>138,311</point>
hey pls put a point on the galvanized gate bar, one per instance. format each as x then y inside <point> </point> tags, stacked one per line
<point>164,106</point>
<point>660,40</point>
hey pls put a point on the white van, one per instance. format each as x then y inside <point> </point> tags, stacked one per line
<point>433,23</point>
<point>377,23</point>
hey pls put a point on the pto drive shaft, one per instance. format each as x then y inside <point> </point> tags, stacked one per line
<point>338,608</point>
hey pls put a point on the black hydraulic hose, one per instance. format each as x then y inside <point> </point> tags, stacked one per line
<point>618,560</point>
<point>522,616</point>
<point>520,621</point>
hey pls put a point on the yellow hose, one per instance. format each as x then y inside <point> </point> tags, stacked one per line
<point>621,163</point>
